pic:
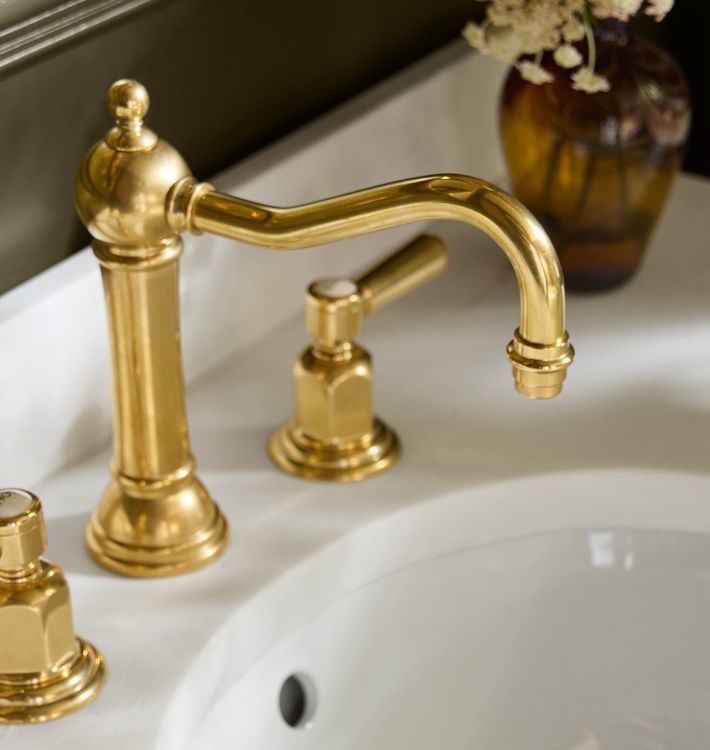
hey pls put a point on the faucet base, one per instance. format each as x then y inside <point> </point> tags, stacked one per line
<point>38,697</point>
<point>153,533</point>
<point>307,458</point>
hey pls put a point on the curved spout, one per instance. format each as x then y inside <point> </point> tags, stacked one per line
<point>540,351</point>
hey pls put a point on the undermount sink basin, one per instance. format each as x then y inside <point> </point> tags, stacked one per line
<point>565,612</point>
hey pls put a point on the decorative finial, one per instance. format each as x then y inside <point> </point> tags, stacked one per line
<point>128,102</point>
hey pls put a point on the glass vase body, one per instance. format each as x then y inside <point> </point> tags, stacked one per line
<point>596,169</point>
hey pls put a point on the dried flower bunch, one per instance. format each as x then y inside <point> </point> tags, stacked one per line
<point>519,32</point>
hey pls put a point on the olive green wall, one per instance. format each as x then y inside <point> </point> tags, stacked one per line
<point>226,78</point>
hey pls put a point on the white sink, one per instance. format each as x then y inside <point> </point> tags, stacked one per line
<point>563,612</point>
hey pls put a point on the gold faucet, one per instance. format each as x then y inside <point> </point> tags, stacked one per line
<point>334,434</point>
<point>45,670</point>
<point>135,194</point>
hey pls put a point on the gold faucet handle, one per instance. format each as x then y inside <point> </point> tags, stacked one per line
<point>334,312</point>
<point>46,671</point>
<point>22,534</point>
<point>335,308</point>
<point>414,265</point>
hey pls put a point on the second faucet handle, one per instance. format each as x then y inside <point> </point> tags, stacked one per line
<point>335,307</point>
<point>334,434</point>
<point>414,265</point>
<point>46,671</point>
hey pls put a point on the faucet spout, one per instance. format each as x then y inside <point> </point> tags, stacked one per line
<point>540,351</point>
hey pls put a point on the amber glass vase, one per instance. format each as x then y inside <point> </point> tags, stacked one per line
<point>596,169</point>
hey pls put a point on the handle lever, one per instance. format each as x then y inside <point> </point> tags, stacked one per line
<point>414,265</point>
<point>335,308</point>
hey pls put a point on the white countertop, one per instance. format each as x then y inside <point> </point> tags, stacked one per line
<point>442,381</point>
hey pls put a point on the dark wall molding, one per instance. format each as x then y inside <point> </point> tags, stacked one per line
<point>46,30</point>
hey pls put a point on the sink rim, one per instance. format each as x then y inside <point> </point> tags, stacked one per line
<point>495,513</point>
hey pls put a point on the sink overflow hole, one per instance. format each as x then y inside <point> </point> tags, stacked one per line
<point>296,700</point>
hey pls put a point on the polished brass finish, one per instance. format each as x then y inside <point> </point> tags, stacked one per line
<point>136,195</point>
<point>45,670</point>
<point>155,518</point>
<point>334,434</point>
<point>416,264</point>
<point>540,351</point>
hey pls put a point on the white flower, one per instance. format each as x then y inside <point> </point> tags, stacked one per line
<point>504,45</point>
<point>659,8</point>
<point>534,73</point>
<point>587,80</point>
<point>531,28</point>
<point>567,56</point>
<point>475,35</point>
<point>620,9</point>
<point>499,15</point>
<point>573,30</point>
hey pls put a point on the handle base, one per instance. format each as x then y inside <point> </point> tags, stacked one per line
<point>151,537</point>
<point>34,698</point>
<point>337,461</point>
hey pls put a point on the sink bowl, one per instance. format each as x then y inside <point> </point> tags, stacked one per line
<point>563,612</point>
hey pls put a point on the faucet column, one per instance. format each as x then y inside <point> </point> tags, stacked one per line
<point>155,518</point>
<point>150,427</point>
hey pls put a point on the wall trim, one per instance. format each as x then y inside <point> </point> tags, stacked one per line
<point>49,29</point>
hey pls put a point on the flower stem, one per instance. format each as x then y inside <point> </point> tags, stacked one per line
<point>591,45</point>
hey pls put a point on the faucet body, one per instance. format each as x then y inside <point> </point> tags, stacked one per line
<point>136,195</point>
